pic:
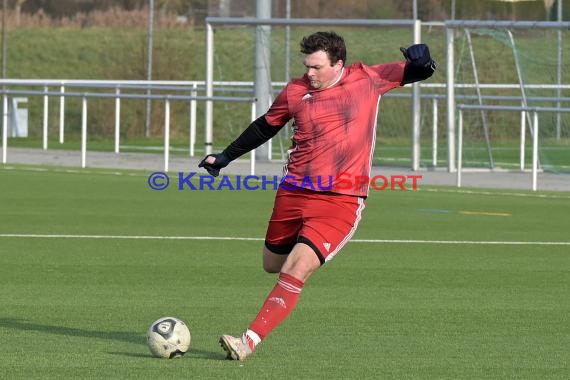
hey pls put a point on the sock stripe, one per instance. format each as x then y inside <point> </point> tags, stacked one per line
<point>289,287</point>
<point>291,280</point>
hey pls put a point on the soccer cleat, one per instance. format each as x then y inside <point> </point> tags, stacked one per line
<point>237,348</point>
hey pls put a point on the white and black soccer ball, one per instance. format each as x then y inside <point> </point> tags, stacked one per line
<point>168,337</point>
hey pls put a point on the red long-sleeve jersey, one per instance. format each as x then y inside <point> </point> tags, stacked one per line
<point>334,128</point>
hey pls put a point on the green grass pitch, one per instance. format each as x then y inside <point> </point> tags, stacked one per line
<point>412,297</point>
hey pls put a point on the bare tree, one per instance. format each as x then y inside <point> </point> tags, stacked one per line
<point>548,8</point>
<point>18,10</point>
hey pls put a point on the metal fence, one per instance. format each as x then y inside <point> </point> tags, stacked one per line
<point>534,127</point>
<point>117,86</point>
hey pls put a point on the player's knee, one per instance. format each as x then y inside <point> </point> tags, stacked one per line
<point>298,270</point>
<point>271,267</point>
<point>272,262</point>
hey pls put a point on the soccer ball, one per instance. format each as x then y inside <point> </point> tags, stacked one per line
<point>168,337</point>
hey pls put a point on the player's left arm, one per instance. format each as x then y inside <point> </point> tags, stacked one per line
<point>419,64</point>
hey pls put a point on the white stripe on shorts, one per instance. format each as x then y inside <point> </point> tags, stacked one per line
<point>351,232</point>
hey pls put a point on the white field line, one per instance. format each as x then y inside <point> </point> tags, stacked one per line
<point>221,238</point>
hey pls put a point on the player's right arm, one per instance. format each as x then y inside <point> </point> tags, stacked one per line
<point>258,132</point>
<point>255,135</point>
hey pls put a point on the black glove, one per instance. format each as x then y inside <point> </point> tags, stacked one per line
<point>419,55</point>
<point>221,161</point>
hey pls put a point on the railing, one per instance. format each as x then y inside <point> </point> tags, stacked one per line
<point>534,131</point>
<point>117,96</point>
<point>193,88</point>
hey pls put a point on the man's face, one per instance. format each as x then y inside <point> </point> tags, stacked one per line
<point>320,71</point>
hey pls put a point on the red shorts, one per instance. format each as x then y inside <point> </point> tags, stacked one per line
<point>324,221</point>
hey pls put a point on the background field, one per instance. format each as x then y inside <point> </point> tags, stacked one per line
<point>179,54</point>
<point>396,303</point>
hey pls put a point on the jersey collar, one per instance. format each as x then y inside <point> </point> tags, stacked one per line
<point>337,79</point>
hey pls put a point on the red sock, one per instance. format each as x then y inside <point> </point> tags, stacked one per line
<point>278,305</point>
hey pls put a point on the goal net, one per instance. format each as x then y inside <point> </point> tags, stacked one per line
<point>513,67</point>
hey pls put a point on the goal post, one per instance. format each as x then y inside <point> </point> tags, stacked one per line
<point>217,23</point>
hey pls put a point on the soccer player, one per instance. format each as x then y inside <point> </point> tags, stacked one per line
<point>334,108</point>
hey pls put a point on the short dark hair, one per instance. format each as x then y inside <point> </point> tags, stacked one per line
<point>329,42</point>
